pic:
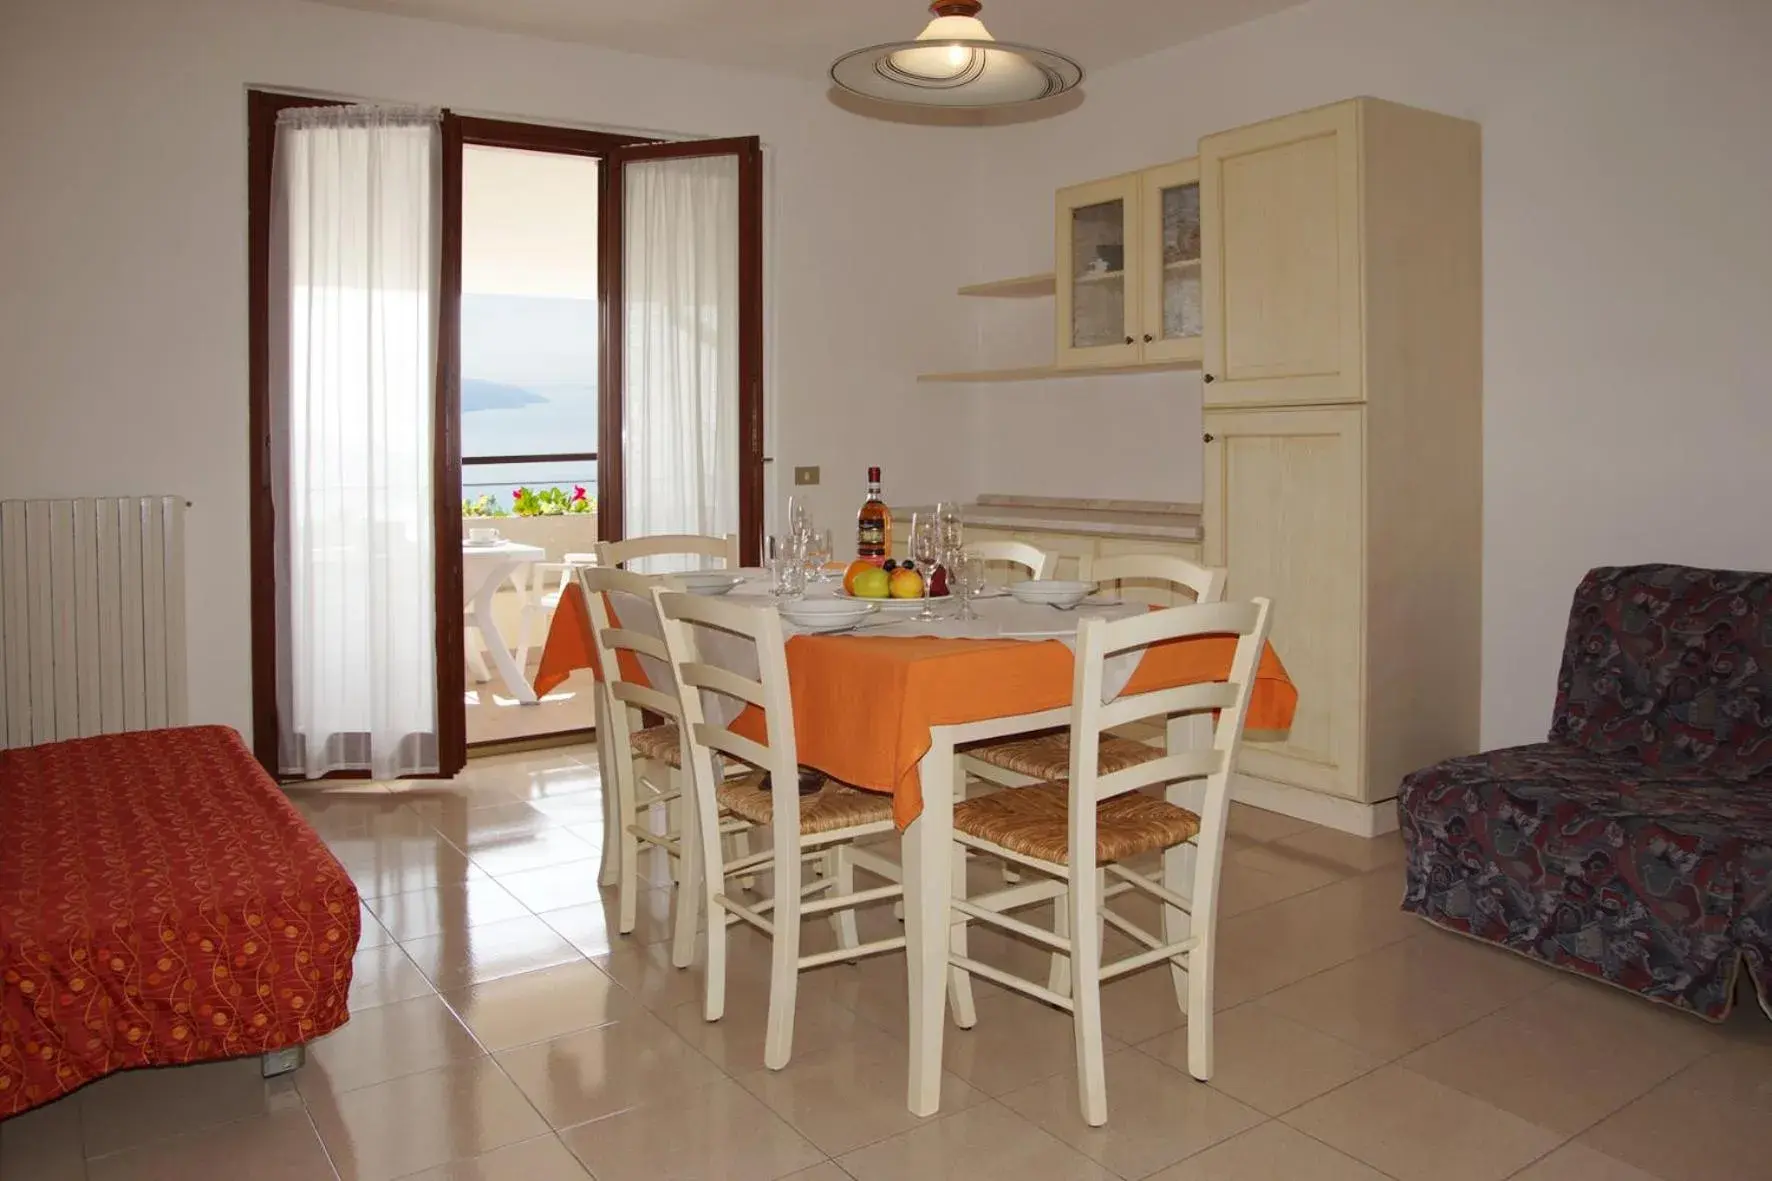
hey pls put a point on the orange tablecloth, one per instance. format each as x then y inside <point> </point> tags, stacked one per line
<point>864,705</point>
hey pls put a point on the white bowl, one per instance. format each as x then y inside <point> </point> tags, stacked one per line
<point>1051,592</point>
<point>712,582</point>
<point>823,614</point>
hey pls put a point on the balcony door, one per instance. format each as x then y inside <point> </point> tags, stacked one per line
<point>649,372</point>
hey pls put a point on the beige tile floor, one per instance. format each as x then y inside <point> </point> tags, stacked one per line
<point>493,715</point>
<point>501,1032</point>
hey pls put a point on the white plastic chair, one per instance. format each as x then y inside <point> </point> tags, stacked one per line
<point>538,600</point>
<point>820,827</point>
<point>1079,833</point>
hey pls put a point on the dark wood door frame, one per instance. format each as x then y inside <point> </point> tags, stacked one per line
<point>460,131</point>
<point>611,509</point>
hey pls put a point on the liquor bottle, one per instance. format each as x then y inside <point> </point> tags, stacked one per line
<point>873,524</point>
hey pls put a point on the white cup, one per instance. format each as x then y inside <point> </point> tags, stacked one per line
<point>483,536</point>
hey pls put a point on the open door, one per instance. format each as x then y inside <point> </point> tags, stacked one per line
<point>682,389</point>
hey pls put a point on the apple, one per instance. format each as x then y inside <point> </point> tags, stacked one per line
<point>906,584</point>
<point>938,582</point>
<point>871,584</point>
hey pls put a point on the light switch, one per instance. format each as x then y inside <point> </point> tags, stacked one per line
<point>805,477</point>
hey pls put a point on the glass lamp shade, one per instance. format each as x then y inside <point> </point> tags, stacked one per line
<point>956,63</point>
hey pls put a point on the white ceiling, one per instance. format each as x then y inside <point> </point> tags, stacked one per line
<point>801,37</point>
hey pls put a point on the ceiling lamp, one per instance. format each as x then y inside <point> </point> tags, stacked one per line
<point>956,63</point>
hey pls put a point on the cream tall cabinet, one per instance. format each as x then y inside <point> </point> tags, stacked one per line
<point>1342,284</point>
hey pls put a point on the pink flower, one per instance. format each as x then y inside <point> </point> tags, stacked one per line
<point>578,492</point>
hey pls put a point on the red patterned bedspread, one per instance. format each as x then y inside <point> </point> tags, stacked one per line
<point>160,902</point>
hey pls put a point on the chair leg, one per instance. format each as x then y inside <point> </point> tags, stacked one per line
<point>712,884</point>
<point>1058,976</point>
<point>628,788</point>
<point>784,969</point>
<point>1084,902</point>
<point>843,873</point>
<point>1199,1010</point>
<point>608,778</point>
<point>1178,878</point>
<point>689,889</point>
<point>960,1002</point>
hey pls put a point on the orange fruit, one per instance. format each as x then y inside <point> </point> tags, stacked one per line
<point>855,567</point>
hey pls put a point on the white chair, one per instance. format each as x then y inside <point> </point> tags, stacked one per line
<point>1150,573</point>
<point>820,827</point>
<point>694,545</point>
<point>1037,562</point>
<point>1044,757</point>
<point>646,763</point>
<point>1079,833</point>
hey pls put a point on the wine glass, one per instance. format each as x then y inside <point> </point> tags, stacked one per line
<point>947,512</point>
<point>925,552</point>
<point>818,554</point>
<point>799,522</point>
<point>966,576</point>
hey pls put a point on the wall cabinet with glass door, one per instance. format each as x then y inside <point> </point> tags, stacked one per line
<point>1128,274</point>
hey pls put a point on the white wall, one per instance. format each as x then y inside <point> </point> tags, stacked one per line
<point>1628,259</point>
<point>123,319</point>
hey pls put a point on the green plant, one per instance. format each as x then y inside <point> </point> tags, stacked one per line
<point>482,506</point>
<point>551,502</point>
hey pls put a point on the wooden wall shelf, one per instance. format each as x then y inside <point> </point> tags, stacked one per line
<point>1026,287</point>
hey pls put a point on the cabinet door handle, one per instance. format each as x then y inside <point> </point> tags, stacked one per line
<point>1208,379</point>
<point>1148,338</point>
<point>1206,438</point>
<point>1129,340</point>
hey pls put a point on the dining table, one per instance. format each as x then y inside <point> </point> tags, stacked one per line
<point>484,568</point>
<point>887,704</point>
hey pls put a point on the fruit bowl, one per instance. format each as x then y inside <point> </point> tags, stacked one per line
<point>915,604</point>
<point>1052,592</point>
<point>826,614</point>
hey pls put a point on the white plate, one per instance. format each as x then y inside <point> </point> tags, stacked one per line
<point>822,614</point>
<point>1053,592</point>
<point>708,583</point>
<point>482,544</point>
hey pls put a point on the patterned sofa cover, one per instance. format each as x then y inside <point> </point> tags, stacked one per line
<point>161,902</point>
<point>1635,845</point>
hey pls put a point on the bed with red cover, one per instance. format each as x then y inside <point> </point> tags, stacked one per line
<point>160,903</point>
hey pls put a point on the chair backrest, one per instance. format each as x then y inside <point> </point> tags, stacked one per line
<point>624,619</point>
<point>700,630</point>
<point>1098,639</point>
<point>670,545</point>
<point>1670,666</point>
<point>1037,562</point>
<point>1151,573</point>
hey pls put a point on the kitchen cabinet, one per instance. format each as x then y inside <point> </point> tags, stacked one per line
<point>1343,437</point>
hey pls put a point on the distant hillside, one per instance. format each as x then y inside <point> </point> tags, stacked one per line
<point>479,394</point>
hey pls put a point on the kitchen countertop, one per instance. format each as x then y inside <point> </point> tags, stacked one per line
<point>1166,520</point>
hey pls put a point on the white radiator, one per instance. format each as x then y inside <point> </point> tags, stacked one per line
<point>92,617</point>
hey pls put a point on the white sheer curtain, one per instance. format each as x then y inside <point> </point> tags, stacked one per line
<point>354,256</point>
<point>680,349</point>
